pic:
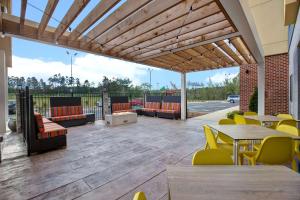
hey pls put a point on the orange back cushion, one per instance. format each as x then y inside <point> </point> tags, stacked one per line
<point>152,105</point>
<point>39,122</point>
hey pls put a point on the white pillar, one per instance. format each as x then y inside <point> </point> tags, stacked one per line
<point>183,96</point>
<point>261,88</point>
<point>3,93</point>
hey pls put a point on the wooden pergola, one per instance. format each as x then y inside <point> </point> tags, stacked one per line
<point>178,35</point>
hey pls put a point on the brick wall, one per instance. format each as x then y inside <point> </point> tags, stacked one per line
<point>248,82</point>
<point>276,80</point>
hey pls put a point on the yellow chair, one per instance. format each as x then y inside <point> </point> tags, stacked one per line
<point>211,142</point>
<point>285,116</point>
<point>212,157</point>
<point>139,196</point>
<point>252,122</point>
<point>249,113</point>
<point>239,119</point>
<point>290,122</point>
<point>274,150</point>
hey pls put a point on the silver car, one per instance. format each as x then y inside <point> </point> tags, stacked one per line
<point>233,98</point>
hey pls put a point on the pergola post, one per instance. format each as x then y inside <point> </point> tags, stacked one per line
<point>261,88</point>
<point>3,93</point>
<point>183,96</point>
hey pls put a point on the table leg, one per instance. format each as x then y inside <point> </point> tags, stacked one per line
<point>236,152</point>
<point>252,145</point>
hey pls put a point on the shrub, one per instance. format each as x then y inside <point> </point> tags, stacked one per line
<point>231,114</point>
<point>253,105</point>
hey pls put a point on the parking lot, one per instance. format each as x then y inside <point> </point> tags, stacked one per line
<point>210,106</point>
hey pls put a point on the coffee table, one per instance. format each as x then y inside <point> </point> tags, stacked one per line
<point>120,118</point>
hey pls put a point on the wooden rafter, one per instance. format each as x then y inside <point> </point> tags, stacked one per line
<point>186,43</point>
<point>240,47</point>
<point>209,55</point>
<point>220,54</point>
<point>51,5</point>
<point>101,9</point>
<point>73,12</point>
<point>125,10</point>
<point>183,39</point>
<point>150,10</point>
<point>180,10</point>
<point>161,33</point>
<point>193,60</point>
<point>221,44</point>
<point>23,13</point>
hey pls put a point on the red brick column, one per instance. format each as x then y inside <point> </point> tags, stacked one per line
<point>248,82</point>
<point>276,80</point>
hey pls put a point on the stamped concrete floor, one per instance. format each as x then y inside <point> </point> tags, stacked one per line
<point>105,163</point>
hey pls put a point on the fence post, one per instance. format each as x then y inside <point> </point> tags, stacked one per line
<point>105,104</point>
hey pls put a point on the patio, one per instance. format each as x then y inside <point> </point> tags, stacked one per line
<point>105,163</point>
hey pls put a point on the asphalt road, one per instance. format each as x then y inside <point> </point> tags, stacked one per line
<point>210,106</point>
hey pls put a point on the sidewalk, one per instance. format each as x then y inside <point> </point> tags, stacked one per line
<point>216,116</point>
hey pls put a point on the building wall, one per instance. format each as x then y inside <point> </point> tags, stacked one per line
<point>294,64</point>
<point>276,80</point>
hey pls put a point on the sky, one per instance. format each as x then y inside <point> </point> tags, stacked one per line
<point>42,60</point>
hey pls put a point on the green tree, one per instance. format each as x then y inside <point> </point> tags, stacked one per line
<point>253,105</point>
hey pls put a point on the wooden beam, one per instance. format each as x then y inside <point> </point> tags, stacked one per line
<point>181,9</point>
<point>150,10</point>
<point>216,51</point>
<point>240,47</point>
<point>168,31</point>
<point>180,40</point>
<point>51,5</point>
<point>193,60</point>
<point>101,9</point>
<point>73,12</point>
<point>23,13</point>
<point>125,10</point>
<point>209,55</point>
<point>221,44</point>
<point>243,23</point>
<point>186,44</point>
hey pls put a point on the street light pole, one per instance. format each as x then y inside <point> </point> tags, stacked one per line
<point>71,57</point>
<point>150,71</point>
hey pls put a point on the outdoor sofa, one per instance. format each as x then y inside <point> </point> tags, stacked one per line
<point>42,134</point>
<point>151,108</point>
<point>68,111</point>
<point>169,110</point>
<point>120,104</point>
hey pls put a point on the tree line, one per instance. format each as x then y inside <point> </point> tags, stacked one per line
<point>63,84</point>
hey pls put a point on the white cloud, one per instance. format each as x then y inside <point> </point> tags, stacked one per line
<point>220,77</point>
<point>89,66</point>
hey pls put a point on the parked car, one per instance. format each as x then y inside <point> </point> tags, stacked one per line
<point>233,98</point>
<point>11,107</point>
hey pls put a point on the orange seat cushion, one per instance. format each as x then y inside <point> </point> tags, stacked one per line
<point>52,130</point>
<point>69,117</point>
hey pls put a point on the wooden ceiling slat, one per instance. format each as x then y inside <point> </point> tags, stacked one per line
<point>196,56</point>
<point>100,9</point>
<point>182,9</point>
<point>150,10</point>
<point>161,65</point>
<point>126,9</point>
<point>73,12</point>
<point>23,13</point>
<point>181,40</point>
<point>240,47</point>
<point>51,5</point>
<point>187,56</point>
<point>230,52</point>
<point>161,33</point>
<point>219,54</point>
<point>198,51</point>
<point>178,61</point>
<point>184,43</point>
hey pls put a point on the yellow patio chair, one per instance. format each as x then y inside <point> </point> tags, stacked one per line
<point>249,113</point>
<point>212,157</point>
<point>239,119</point>
<point>139,196</point>
<point>293,131</point>
<point>211,142</point>
<point>285,116</point>
<point>274,150</point>
<point>225,138</point>
<point>290,122</point>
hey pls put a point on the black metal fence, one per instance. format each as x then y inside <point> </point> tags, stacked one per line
<point>92,103</point>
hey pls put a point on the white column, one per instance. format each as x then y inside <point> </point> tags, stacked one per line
<point>3,93</point>
<point>261,88</point>
<point>183,96</point>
